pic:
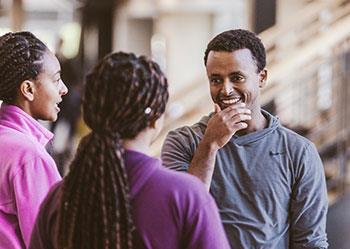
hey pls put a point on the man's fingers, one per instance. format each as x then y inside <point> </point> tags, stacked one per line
<point>230,114</point>
<point>241,117</point>
<point>234,107</point>
<point>239,126</point>
<point>217,108</point>
<point>238,122</point>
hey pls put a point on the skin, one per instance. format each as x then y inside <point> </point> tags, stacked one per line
<point>145,138</point>
<point>235,88</point>
<point>40,97</point>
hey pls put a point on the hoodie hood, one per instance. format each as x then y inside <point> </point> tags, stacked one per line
<point>273,124</point>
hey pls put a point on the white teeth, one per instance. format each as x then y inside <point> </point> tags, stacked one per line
<point>230,101</point>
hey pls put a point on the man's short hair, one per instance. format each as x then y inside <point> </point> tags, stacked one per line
<point>232,40</point>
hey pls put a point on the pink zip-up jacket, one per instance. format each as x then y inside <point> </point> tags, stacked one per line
<point>27,173</point>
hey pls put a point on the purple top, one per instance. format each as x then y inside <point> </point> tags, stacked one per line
<point>27,172</point>
<point>171,210</point>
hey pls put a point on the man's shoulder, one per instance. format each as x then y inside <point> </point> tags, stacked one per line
<point>295,142</point>
<point>195,130</point>
<point>293,136</point>
<point>180,145</point>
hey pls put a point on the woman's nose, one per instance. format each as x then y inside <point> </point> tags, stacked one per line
<point>63,89</point>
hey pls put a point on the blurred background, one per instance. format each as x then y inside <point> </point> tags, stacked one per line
<point>308,51</point>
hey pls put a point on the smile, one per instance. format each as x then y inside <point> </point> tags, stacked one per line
<point>230,101</point>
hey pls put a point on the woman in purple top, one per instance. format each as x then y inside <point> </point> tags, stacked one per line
<point>30,89</point>
<point>116,195</point>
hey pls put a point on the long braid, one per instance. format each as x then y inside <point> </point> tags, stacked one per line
<point>123,95</point>
<point>21,58</point>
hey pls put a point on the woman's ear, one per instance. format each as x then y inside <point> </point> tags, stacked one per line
<point>152,124</point>
<point>157,122</point>
<point>262,78</point>
<point>27,89</point>
<point>157,126</point>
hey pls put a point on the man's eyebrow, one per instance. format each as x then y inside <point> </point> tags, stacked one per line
<point>214,75</point>
<point>237,72</point>
<point>231,74</point>
<point>58,72</point>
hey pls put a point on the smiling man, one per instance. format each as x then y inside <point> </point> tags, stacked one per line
<point>268,181</point>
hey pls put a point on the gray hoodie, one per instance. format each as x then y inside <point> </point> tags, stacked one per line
<point>269,185</point>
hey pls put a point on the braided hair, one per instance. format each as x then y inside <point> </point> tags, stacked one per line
<point>232,40</point>
<point>124,94</point>
<point>21,58</point>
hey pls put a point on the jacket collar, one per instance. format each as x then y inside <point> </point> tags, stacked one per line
<point>15,118</point>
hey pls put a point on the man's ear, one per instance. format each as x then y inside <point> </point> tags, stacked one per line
<point>262,78</point>
<point>27,89</point>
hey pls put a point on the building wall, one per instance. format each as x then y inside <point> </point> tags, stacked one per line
<point>179,33</point>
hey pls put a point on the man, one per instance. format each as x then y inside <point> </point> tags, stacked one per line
<point>268,181</point>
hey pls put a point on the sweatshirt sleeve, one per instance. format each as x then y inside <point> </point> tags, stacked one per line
<point>176,153</point>
<point>309,204</point>
<point>31,184</point>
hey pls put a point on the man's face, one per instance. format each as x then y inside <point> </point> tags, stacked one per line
<point>233,78</point>
<point>49,89</point>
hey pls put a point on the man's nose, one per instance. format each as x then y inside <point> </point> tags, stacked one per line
<point>227,88</point>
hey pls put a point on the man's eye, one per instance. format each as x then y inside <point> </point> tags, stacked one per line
<point>237,78</point>
<point>215,81</point>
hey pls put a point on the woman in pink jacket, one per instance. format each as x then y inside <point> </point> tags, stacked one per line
<point>30,89</point>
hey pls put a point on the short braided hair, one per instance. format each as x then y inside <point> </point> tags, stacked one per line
<point>232,40</point>
<point>123,95</point>
<point>21,58</point>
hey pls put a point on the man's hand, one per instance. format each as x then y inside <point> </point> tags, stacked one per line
<point>221,127</point>
<point>225,123</point>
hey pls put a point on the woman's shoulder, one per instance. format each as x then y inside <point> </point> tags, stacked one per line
<point>44,230</point>
<point>20,145</point>
<point>181,185</point>
<point>52,200</point>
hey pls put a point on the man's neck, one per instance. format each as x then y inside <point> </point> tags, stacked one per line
<point>257,123</point>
